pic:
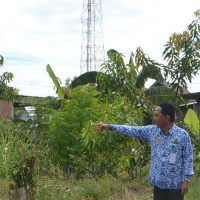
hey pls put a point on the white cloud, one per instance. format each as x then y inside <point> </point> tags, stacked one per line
<point>34,33</point>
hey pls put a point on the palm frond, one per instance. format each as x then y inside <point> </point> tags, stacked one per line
<point>160,94</point>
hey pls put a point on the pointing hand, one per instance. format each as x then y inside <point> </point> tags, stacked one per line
<point>101,127</point>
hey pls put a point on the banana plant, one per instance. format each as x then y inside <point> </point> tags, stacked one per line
<point>59,89</point>
<point>88,77</point>
<point>192,120</point>
<point>150,68</point>
<point>161,94</point>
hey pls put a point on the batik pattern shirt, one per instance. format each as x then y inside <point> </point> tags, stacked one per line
<point>164,173</point>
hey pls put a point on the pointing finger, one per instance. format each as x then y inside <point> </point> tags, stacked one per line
<point>95,124</point>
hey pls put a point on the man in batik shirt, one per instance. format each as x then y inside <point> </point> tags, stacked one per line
<point>171,152</point>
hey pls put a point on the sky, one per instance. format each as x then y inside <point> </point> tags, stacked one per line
<point>34,33</point>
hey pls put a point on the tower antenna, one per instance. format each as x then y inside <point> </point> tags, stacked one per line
<point>92,47</point>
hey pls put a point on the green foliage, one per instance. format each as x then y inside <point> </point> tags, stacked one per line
<point>18,158</point>
<point>41,121</point>
<point>182,53</point>
<point>117,154</point>
<point>6,145</point>
<point>126,78</point>
<point>66,126</point>
<point>6,92</point>
<point>192,120</point>
<point>195,137</point>
<point>150,69</point>
<point>80,149</point>
<point>161,94</point>
<point>115,76</point>
<point>22,153</point>
<point>43,111</point>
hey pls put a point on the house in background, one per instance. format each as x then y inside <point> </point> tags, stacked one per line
<point>168,85</point>
<point>193,100</point>
<point>195,97</point>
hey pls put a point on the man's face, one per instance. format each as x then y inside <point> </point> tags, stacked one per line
<point>160,119</point>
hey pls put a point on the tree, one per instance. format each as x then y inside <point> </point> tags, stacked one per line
<point>182,53</point>
<point>78,147</point>
<point>128,79</point>
<point>68,81</point>
<point>7,93</point>
<point>66,126</point>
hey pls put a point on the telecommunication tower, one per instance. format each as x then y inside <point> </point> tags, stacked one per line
<point>92,47</point>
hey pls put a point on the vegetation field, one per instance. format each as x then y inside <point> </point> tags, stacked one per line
<point>106,188</point>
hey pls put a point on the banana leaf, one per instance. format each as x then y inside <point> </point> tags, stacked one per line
<point>192,120</point>
<point>88,77</point>
<point>59,89</point>
<point>149,71</point>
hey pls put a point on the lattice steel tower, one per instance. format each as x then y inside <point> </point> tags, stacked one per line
<point>92,47</point>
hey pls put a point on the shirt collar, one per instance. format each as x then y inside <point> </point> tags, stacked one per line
<point>170,132</point>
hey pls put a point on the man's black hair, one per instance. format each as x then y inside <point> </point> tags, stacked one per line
<point>168,109</point>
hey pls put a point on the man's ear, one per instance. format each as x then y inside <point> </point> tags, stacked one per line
<point>168,117</point>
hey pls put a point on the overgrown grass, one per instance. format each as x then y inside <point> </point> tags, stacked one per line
<point>91,189</point>
<point>194,191</point>
<point>4,189</point>
<point>106,188</point>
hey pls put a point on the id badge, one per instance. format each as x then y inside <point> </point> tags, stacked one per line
<point>172,158</point>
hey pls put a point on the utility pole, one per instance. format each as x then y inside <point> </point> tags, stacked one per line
<point>92,47</point>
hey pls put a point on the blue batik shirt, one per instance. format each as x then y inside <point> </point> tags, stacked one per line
<point>164,173</point>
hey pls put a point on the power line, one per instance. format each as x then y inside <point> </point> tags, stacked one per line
<point>29,84</point>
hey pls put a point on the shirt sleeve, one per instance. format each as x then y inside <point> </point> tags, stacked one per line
<point>188,158</point>
<point>140,132</point>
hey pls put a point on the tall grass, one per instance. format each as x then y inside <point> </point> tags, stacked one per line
<point>194,191</point>
<point>106,188</point>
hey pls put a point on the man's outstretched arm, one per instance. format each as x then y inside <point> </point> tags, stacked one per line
<point>140,132</point>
